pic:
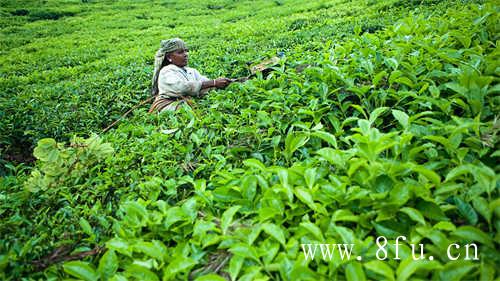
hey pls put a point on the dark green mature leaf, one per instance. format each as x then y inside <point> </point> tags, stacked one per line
<point>431,210</point>
<point>466,210</point>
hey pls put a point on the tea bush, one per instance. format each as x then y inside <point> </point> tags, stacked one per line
<point>368,128</point>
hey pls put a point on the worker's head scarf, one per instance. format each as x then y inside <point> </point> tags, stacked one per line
<point>166,46</point>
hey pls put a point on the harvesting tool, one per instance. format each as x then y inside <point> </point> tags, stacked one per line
<point>264,67</point>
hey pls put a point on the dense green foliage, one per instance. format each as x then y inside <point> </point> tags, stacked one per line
<point>381,121</point>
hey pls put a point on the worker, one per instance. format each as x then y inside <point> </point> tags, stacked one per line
<point>173,82</point>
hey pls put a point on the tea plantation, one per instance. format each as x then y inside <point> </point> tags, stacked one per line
<point>378,129</point>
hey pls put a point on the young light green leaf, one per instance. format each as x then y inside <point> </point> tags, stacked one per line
<point>275,231</point>
<point>82,270</point>
<point>427,173</point>
<point>293,142</point>
<point>413,214</point>
<point>155,250</point>
<point>482,207</point>
<point>380,268</point>
<point>329,138</point>
<point>313,229</point>
<point>108,265</point>
<point>178,264</point>
<point>210,277</point>
<point>310,177</point>
<point>354,272</point>
<point>445,225</point>
<point>141,272</point>
<point>378,77</point>
<point>456,270</point>
<point>235,266</point>
<point>470,233</point>
<point>376,113</point>
<point>305,196</point>
<point>85,225</point>
<point>401,117</point>
<point>254,163</point>
<point>249,187</point>
<point>245,251</point>
<point>409,266</point>
<point>227,218</point>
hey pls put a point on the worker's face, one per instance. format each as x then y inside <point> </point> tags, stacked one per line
<point>179,57</point>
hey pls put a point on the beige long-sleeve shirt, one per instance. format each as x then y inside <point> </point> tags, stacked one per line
<point>174,82</point>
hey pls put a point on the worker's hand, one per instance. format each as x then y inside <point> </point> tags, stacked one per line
<point>221,83</point>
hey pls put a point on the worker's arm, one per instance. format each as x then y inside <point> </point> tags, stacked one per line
<point>219,83</point>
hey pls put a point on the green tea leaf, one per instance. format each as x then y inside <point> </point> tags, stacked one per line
<point>401,117</point>
<point>466,210</point>
<point>82,270</point>
<point>108,265</point>
<point>487,272</point>
<point>456,270</point>
<point>380,268</point>
<point>235,265</point>
<point>313,229</point>
<point>293,142</point>
<point>354,272</point>
<point>254,163</point>
<point>210,277</point>
<point>139,272</point>
<point>413,214</point>
<point>409,266</point>
<point>482,207</point>
<point>470,233</point>
<point>155,250</point>
<point>227,218</point>
<point>432,211</point>
<point>329,138</point>
<point>178,264</point>
<point>376,113</point>
<point>305,196</point>
<point>275,231</point>
<point>378,77</point>
<point>310,177</point>
<point>249,187</point>
<point>85,225</point>
<point>245,251</point>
